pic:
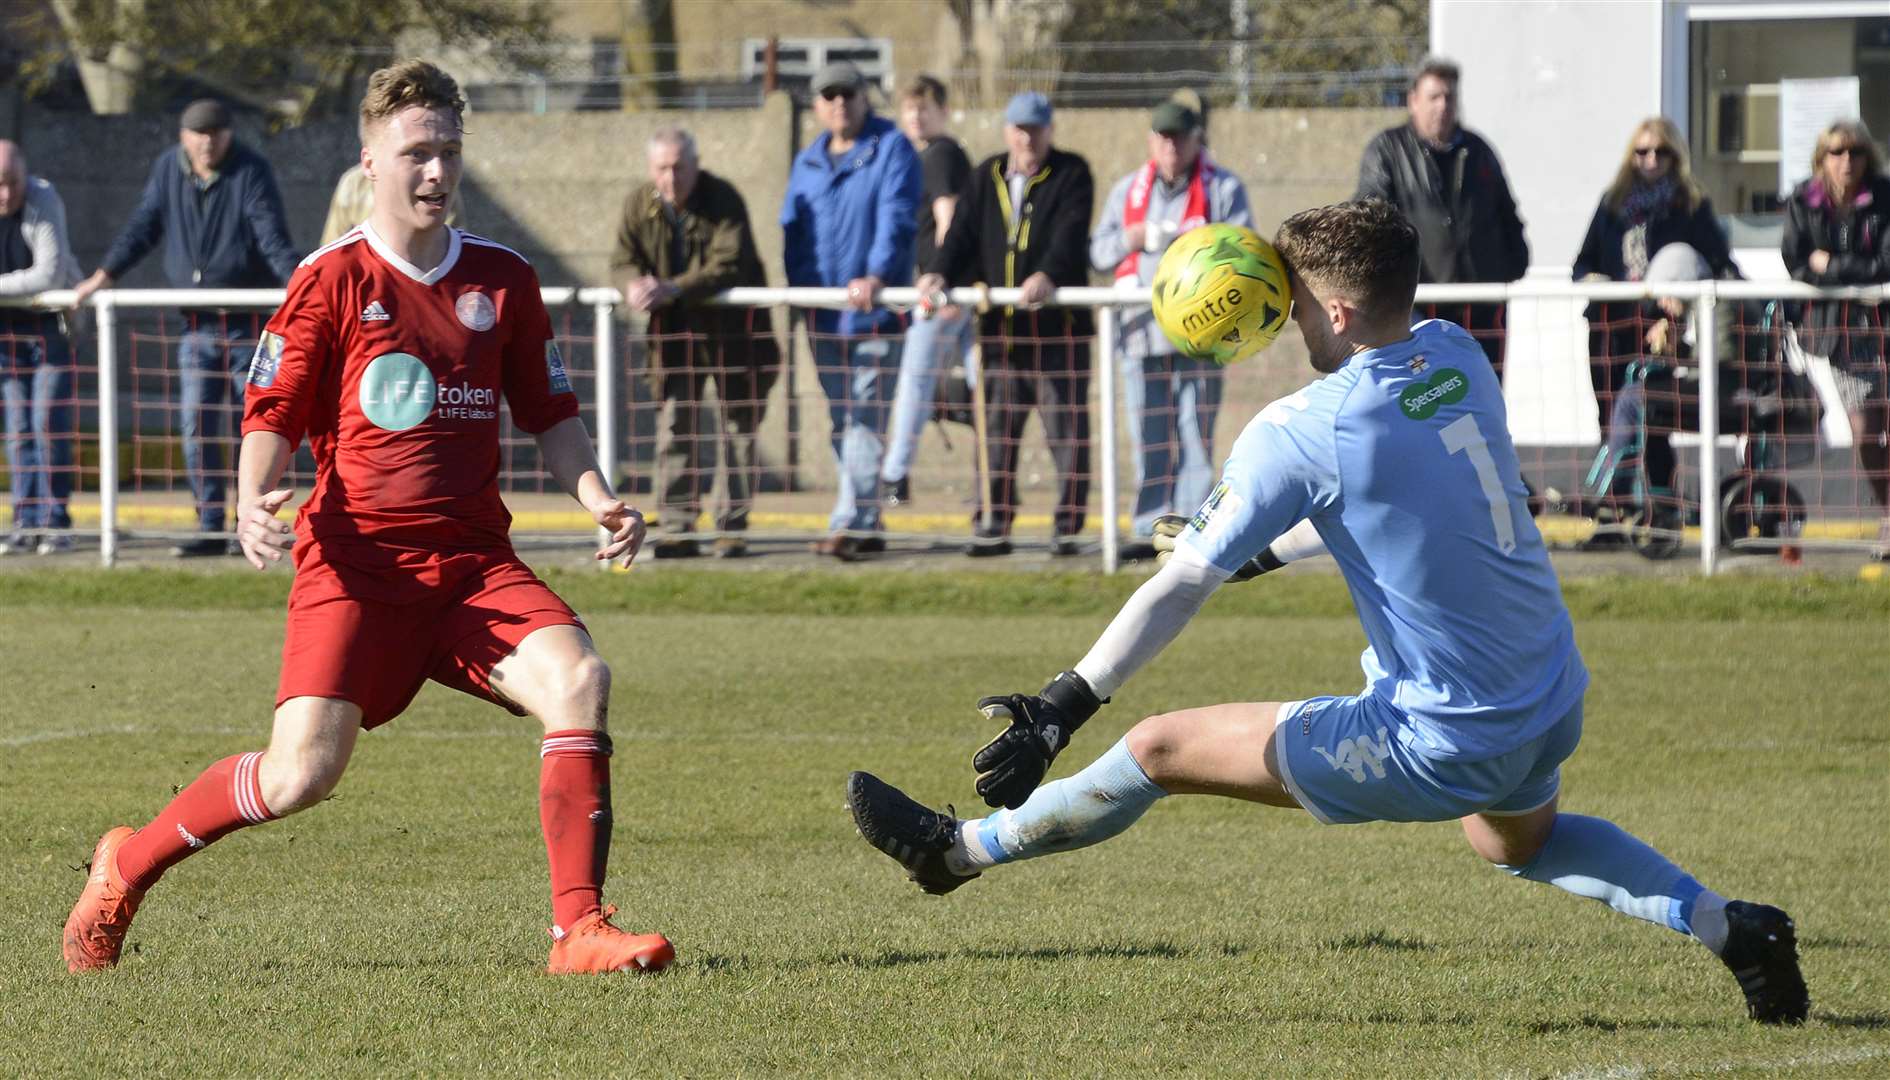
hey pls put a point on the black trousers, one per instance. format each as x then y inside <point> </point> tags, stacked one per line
<point>1050,377</point>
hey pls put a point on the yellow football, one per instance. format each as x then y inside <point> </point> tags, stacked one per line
<point>1221,293</point>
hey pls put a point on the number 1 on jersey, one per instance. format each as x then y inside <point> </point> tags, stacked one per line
<point>1462,434</point>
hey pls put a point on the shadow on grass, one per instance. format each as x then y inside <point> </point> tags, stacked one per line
<point>1378,939</point>
<point>1872,1021</point>
<point>1821,941</point>
<point>1590,1022</point>
<point>893,958</point>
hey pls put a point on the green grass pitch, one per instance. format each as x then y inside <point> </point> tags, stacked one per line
<point>1741,726</point>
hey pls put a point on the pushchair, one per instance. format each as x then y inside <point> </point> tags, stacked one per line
<point>1767,410</point>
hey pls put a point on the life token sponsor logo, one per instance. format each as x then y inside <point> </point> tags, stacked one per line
<point>398,392</point>
<point>374,312</point>
<point>476,311</point>
<point>554,369</point>
<point>1422,400</point>
<point>267,361</point>
<point>1353,756</point>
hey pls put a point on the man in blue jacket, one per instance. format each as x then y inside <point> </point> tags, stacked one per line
<point>214,206</point>
<point>850,217</point>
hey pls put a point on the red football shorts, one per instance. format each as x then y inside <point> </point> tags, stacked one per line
<point>371,625</point>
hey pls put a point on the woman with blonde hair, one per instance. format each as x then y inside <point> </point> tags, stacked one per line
<point>1835,226</point>
<point>1654,201</point>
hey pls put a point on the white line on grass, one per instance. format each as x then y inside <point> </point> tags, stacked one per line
<point>71,733</point>
<point>1846,1055</point>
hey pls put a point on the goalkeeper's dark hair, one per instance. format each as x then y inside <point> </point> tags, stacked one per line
<point>404,84</point>
<point>1365,251</point>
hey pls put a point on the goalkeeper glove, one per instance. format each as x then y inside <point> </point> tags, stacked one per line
<point>1012,765</point>
<point>1169,526</point>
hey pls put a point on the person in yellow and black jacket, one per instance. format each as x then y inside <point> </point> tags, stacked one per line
<point>1023,221</point>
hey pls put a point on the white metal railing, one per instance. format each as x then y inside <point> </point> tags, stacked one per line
<point>1106,301</point>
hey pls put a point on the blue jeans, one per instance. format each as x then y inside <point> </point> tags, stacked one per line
<point>213,367</point>
<point>930,347</point>
<point>36,384</point>
<point>1171,403</point>
<point>857,375</point>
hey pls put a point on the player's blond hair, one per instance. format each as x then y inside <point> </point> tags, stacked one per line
<point>404,84</point>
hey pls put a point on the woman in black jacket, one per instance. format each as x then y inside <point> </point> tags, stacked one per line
<point>1835,234</point>
<point>1654,201</point>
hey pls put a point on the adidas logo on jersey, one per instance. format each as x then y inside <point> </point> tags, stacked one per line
<point>374,312</point>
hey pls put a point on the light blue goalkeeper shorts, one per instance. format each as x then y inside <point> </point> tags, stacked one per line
<point>1348,760</point>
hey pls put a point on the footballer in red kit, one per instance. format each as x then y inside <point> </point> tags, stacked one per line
<point>391,354</point>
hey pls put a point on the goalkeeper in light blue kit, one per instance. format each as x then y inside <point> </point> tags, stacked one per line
<point>1398,463</point>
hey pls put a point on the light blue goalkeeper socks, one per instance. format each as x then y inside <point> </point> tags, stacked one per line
<point>1598,859</point>
<point>1090,807</point>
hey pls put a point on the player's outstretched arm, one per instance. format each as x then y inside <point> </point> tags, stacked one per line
<point>565,448</point>
<point>259,467</point>
<point>1302,541</point>
<point>1012,765</point>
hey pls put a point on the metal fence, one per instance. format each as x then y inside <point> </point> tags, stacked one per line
<point>1730,437</point>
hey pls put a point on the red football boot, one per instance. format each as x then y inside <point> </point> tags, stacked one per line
<point>95,930</point>
<point>594,945</point>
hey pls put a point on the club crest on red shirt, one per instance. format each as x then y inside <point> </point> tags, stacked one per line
<point>475,310</point>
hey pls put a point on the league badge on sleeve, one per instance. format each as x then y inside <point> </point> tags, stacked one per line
<point>554,369</point>
<point>267,361</point>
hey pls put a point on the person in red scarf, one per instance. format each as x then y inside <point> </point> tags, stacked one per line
<point>1171,401</point>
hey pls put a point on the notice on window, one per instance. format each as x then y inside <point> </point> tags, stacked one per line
<point>1805,108</point>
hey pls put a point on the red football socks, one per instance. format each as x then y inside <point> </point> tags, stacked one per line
<point>574,809</point>
<point>226,797</point>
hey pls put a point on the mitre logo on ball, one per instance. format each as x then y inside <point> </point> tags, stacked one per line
<point>1221,293</point>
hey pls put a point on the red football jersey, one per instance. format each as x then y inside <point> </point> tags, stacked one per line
<point>395,376</point>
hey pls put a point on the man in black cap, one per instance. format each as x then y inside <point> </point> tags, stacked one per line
<point>1171,401</point>
<point>213,204</point>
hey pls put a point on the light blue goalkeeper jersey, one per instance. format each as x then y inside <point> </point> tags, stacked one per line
<point>1402,459</point>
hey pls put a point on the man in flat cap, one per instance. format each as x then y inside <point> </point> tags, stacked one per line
<point>213,205</point>
<point>849,220</point>
<point>1023,221</point>
<point>1171,401</point>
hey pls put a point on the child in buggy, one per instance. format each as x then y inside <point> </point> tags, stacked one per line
<point>1633,489</point>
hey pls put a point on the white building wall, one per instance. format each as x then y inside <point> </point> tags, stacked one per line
<point>1555,86</point>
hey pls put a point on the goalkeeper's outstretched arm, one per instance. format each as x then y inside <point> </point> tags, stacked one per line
<point>1039,726</point>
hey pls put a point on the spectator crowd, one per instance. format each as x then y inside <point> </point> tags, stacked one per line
<point>873,202</point>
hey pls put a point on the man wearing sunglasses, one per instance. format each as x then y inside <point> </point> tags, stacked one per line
<point>849,218</point>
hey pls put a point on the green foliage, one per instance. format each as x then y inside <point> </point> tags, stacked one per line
<point>398,929</point>
<point>302,58</point>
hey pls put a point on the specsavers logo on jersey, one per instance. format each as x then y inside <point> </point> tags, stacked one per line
<point>1421,400</point>
<point>398,392</point>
